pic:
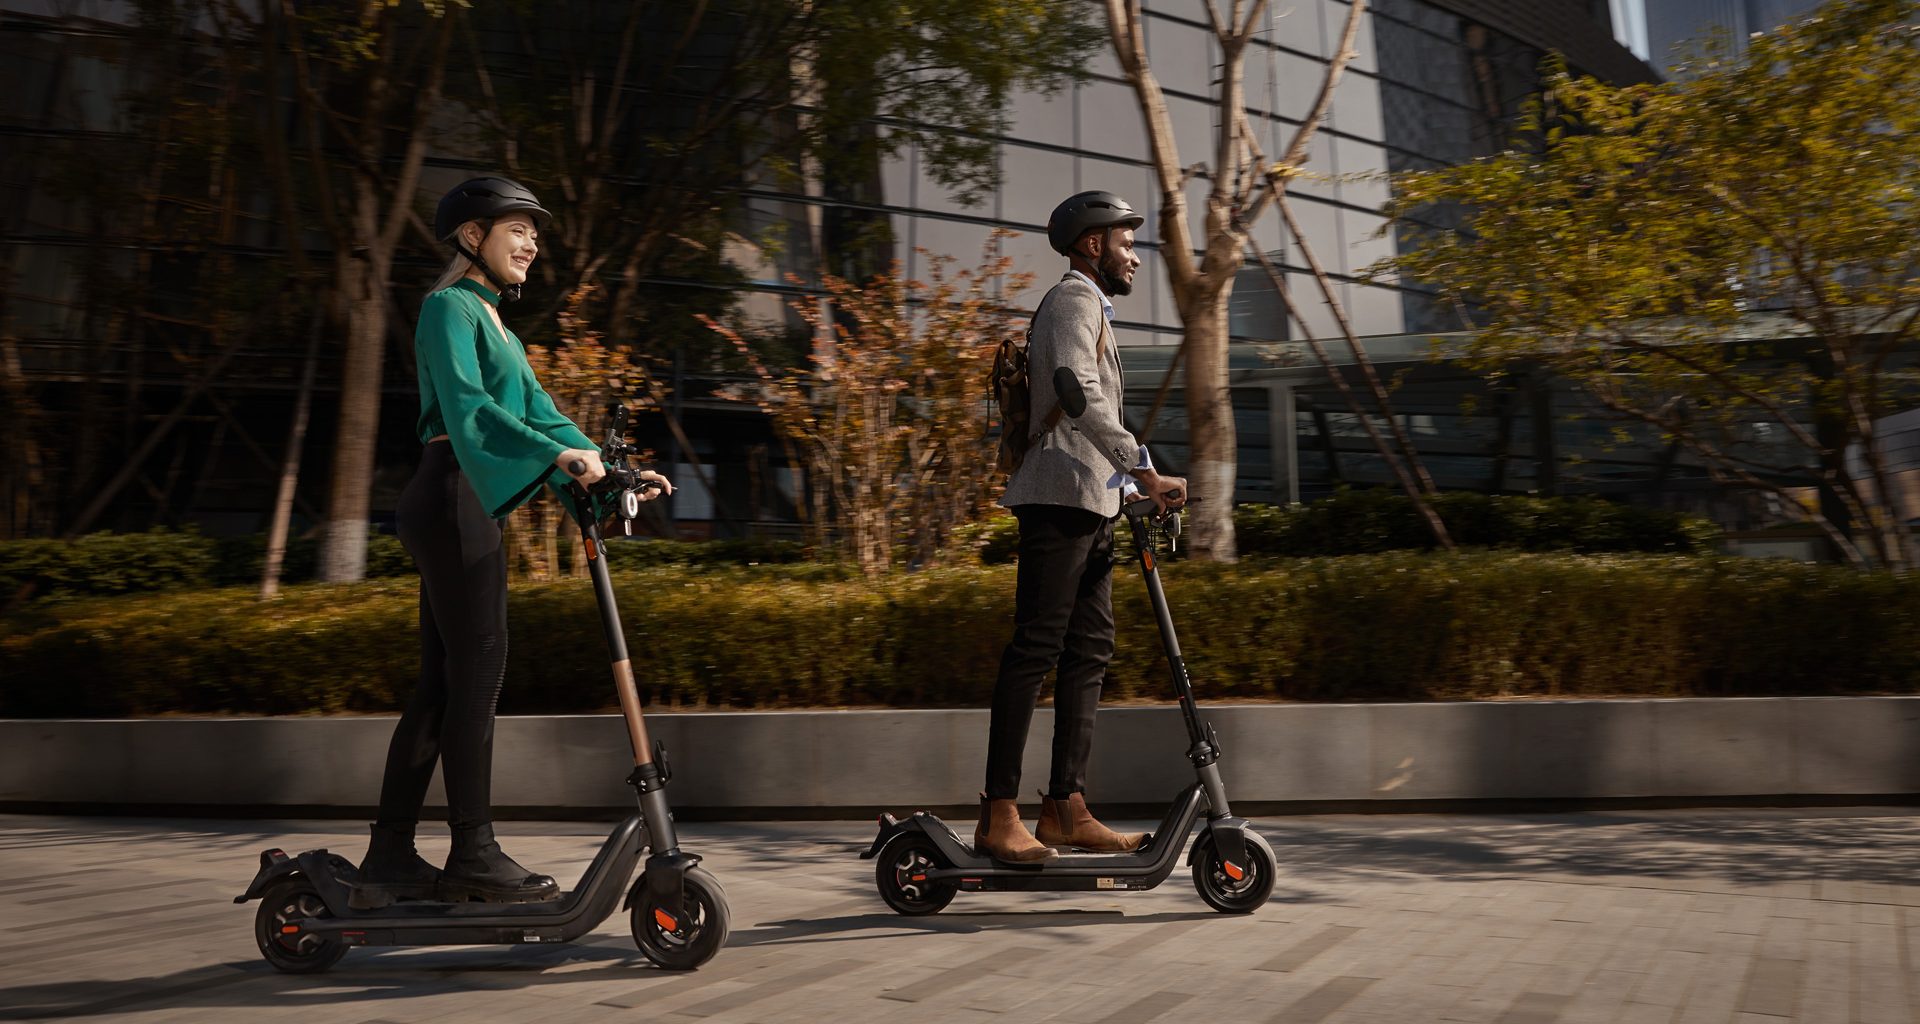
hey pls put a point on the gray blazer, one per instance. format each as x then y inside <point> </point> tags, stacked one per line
<point>1075,463</point>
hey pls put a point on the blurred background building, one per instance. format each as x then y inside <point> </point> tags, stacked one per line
<point>1675,28</point>
<point>1436,82</point>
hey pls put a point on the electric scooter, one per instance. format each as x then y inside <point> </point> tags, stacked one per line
<point>921,864</point>
<point>306,923</point>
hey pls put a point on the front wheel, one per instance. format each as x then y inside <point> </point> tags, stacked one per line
<point>1233,888</point>
<point>691,940</point>
<point>901,870</point>
<point>277,931</point>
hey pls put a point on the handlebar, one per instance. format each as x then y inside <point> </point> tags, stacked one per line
<point>1144,505</point>
<point>620,477</point>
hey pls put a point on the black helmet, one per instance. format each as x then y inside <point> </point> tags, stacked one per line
<point>1084,212</point>
<point>485,199</point>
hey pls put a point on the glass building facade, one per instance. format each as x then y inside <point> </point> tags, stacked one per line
<point>1435,82</point>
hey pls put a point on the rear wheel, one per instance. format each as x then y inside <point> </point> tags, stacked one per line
<point>901,874</point>
<point>1233,888</point>
<point>277,931</point>
<point>685,942</point>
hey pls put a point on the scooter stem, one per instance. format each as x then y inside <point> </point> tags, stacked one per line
<point>623,683</point>
<point>1177,666</point>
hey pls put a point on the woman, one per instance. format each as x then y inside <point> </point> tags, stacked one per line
<point>493,438</point>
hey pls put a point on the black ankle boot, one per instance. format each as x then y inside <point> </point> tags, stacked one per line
<point>393,870</point>
<point>478,870</point>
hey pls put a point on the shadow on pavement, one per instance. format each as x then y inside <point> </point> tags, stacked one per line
<point>1719,851</point>
<point>371,975</point>
<point>841,929</point>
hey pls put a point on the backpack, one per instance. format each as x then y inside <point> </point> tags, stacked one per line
<point>1010,389</point>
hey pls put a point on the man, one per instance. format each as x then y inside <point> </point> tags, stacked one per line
<point>1066,495</point>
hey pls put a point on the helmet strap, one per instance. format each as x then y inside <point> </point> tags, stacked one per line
<point>508,292</point>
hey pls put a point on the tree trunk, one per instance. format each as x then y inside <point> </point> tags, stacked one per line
<point>23,474</point>
<point>1211,437</point>
<point>290,471</point>
<point>343,556</point>
<point>377,214</point>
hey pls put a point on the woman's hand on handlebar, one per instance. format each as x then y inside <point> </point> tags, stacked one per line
<point>650,493</point>
<point>582,464</point>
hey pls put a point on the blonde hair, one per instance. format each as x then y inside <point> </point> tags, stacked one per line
<point>457,268</point>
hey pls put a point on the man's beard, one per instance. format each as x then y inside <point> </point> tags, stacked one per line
<point>1113,273</point>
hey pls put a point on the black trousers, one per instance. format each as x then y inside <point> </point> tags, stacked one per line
<point>1063,615</point>
<point>463,647</point>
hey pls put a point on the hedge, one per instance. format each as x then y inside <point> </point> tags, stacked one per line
<point>1397,626</point>
<point>126,563</point>
<point>1372,521</point>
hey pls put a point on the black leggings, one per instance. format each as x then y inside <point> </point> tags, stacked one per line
<point>463,647</point>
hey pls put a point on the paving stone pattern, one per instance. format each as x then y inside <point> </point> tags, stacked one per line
<point>1676,917</point>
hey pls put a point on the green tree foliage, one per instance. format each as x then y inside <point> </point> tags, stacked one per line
<point>644,127</point>
<point>1728,258</point>
<point>940,74</point>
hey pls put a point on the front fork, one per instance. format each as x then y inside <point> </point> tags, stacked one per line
<point>664,877</point>
<point>1229,833</point>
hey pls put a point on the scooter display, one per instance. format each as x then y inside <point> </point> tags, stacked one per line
<point>921,864</point>
<point>306,923</point>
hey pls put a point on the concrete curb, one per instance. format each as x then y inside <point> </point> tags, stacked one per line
<point>804,763</point>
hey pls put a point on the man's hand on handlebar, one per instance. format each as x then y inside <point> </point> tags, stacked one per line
<point>1167,492</point>
<point>583,464</point>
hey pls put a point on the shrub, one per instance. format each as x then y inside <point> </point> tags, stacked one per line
<point>993,540</point>
<point>1372,521</point>
<point>1395,626</point>
<point>109,563</point>
<point>126,563</point>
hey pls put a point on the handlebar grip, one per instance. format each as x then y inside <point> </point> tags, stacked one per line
<point>576,467</point>
<point>1173,495</point>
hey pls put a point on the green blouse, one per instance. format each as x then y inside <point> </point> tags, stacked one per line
<point>476,387</point>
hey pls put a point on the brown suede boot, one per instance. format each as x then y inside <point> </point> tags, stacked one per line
<point>1003,836</point>
<point>1068,823</point>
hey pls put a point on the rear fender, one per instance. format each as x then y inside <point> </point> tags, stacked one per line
<point>889,827</point>
<point>274,865</point>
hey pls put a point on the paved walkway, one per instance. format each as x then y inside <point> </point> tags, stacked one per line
<point>1723,916</point>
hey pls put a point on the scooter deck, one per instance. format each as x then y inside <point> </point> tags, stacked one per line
<point>429,923</point>
<point>970,871</point>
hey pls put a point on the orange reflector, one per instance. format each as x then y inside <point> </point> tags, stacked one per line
<point>1233,870</point>
<point>665,920</point>
<point>592,551</point>
<point>919,878</point>
<point>289,929</point>
<point>1147,556</point>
